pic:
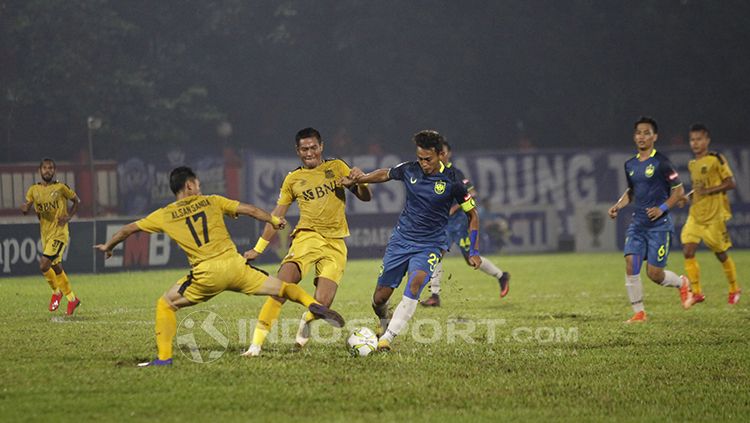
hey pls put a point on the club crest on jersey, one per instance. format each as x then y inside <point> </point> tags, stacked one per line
<point>329,174</point>
<point>439,187</point>
<point>650,171</point>
<point>704,169</point>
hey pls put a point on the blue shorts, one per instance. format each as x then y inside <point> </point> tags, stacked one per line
<point>457,232</point>
<point>402,257</point>
<point>650,245</point>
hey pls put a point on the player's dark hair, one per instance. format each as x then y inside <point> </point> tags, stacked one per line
<point>430,140</point>
<point>649,120</point>
<point>179,176</point>
<point>45,160</point>
<point>698,127</point>
<point>307,133</point>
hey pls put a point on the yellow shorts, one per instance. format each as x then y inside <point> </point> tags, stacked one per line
<point>226,273</point>
<point>327,254</point>
<point>713,234</point>
<point>53,249</point>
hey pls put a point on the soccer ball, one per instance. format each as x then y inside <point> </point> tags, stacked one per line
<point>362,342</point>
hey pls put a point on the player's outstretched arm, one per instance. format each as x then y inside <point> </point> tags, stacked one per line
<point>117,238</point>
<point>374,177</point>
<point>268,233</point>
<point>262,215</point>
<point>362,191</point>
<point>624,200</point>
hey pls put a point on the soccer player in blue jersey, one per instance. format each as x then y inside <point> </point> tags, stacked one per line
<point>654,187</point>
<point>457,233</point>
<point>418,239</point>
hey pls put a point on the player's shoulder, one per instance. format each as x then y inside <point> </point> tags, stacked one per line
<point>718,156</point>
<point>211,197</point>
<point>406,165</point>
<point>336,161</point>
<point>661,157</point>
<point>455,172</point>
<point>633,160</point>
<point>295,171</point>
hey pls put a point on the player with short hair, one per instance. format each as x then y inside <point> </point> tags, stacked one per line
<point>419,238</point>
<point>654,187</point>
<point>711,178</point>
<point>196,223</point>
<point>50,199</point>
<point>318,238</point>
<point>457,233</point>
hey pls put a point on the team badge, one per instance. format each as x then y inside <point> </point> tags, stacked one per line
<point>704,169</point>
<point>329,174</point>
<point>439,187</point>
<point>649,171</point>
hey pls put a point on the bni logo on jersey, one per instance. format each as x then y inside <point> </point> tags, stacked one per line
<point>200,336</point>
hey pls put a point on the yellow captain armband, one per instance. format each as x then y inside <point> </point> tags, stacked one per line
<point>275,222</point>
<point>261,245</point>
<point>469,204</point>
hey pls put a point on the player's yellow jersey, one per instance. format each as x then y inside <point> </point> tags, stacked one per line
<point>50,203</point>
<point>196,224</point>
<point>709,171</point>
<point>320,196</point>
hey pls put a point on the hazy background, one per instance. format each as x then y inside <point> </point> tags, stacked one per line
<point>503,74</point>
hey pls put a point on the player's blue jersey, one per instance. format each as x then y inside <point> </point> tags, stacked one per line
<point>651,181</point>
<point>428,202</point>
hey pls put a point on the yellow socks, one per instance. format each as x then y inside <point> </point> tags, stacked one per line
<point>693,270</point>
<point>268,316</point>
<point>51,279</point>
<point>166,327</point>
<point>64,284</point>
<point>731,273</point>
<point>296,294</point>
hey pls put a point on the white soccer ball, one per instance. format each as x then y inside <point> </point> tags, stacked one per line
<point>362,342</point>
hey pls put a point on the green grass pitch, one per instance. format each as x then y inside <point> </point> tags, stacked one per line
<point>555,348</point>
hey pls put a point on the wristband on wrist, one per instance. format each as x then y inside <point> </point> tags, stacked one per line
<point>274,221</point>
<point>261,245</point>
<point>664,207</point>
<point>473,248</point>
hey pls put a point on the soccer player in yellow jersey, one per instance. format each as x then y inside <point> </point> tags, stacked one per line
<point>318,238</point>
<point>196,223</point>
<point>709,211</point>
<point>50,199</point>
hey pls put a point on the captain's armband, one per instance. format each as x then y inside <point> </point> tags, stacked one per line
<point>468,205</point>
